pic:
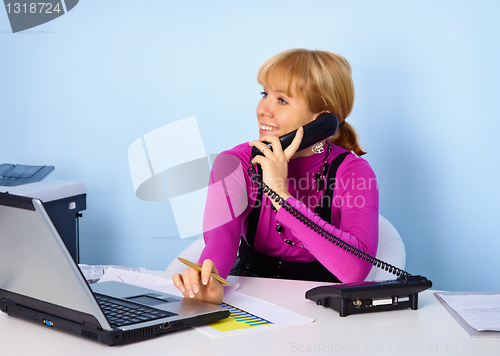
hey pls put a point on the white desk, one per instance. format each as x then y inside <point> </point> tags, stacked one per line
<point>428,330</point>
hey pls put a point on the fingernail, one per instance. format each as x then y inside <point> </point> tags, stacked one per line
<point>191,294</point>
<point>196,289</point>
<point>182,289</point>
<point>204,281</point>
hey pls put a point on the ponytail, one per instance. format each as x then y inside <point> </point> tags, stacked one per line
<point>347,137</point>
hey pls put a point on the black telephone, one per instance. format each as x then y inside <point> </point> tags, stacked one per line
<point>347,298</point>
<point>325,125</point>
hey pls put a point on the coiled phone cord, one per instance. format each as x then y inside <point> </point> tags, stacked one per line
<point>256,178</point>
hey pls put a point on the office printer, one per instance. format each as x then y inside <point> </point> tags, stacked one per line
<point>63,201</point>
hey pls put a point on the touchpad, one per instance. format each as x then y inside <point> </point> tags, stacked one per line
<point>152,299</point>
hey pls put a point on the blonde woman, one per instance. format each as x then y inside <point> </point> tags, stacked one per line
<point>328,183</point>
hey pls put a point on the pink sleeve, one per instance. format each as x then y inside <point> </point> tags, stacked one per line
<point>221,246</point>
<point>354,220</point>
<point>225,209</point>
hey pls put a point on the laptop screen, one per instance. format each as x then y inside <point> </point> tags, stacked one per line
<point>34,261</point>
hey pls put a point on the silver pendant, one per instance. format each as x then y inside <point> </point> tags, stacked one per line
<point>318,147</point>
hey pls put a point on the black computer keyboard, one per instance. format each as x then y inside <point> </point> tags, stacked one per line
<point>122,313</point>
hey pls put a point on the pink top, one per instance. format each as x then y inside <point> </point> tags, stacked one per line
<point>231,196</point>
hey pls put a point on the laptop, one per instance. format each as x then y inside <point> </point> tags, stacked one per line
<point>41,283</point>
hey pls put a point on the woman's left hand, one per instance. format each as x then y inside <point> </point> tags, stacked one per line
<point>274,163</point>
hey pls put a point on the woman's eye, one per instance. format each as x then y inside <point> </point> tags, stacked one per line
<point>264,94</point>
<point>282,101</point>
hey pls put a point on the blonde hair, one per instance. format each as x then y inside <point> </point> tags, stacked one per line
<point>323,79</point>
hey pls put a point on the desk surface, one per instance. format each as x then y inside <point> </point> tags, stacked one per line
<point>428,330</point>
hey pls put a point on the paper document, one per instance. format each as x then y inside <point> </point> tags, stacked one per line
<point>140,280</point>
<point>149,281</point>
<point>94,273</point>
<point>479,310</point>
<point>249,314</point>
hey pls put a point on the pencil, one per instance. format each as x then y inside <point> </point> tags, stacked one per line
<point>197,267</point>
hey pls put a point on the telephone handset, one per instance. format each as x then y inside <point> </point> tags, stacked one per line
<point>348,298</point>
<point>325,125</point>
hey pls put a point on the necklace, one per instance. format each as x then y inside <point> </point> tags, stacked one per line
<point>319,181</point>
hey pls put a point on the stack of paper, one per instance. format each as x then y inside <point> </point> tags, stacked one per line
<point>93,273</point>
<point>477,312</point>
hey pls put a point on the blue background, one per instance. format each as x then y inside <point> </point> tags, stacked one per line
<point>77,91</point>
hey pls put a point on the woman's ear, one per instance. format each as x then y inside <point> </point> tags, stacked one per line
<point>321,114</point>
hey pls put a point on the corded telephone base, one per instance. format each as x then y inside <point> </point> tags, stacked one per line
<point>367,297</point>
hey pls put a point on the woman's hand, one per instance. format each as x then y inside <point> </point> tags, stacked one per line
<point>274,163</point>
<point>200,285</point>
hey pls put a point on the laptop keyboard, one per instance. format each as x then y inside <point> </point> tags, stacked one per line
<point>120,313</point>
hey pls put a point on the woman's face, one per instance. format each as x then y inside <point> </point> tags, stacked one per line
<point>279,114</point>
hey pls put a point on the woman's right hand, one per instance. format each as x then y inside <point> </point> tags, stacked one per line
<point>200,285</point>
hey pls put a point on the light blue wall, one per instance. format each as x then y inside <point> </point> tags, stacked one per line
<point>77,91</point>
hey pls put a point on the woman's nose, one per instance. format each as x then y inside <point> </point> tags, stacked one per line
<point>264,108</point>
